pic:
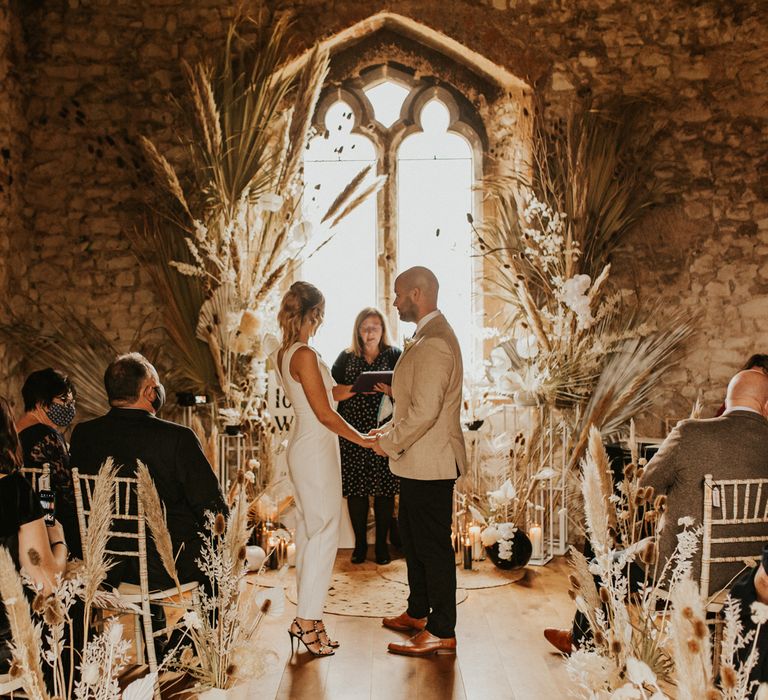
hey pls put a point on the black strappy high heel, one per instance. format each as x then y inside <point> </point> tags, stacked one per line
<point>295,631</point>
<point>319,626</point>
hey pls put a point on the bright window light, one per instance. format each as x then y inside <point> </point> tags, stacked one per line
<point>344,268</point>
<point>435,176</point>
<point>387,100</point>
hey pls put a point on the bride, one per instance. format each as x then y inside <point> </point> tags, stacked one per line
<point>313,461</point>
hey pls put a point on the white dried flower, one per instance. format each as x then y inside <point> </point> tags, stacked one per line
<point>271,201</point>
<point>115,633</point>
<point>639,672</point>
<point>489,536</point>
<point>759,613</point>
<point>250,477</point>
<point>192,620</point>
<point>686,521</point>
<point>90,674</point>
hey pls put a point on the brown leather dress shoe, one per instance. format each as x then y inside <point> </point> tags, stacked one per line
<point>424,644</point>
<point>562,640</point>
<point>405,623</point>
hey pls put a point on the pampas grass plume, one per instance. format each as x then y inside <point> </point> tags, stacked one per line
<point>154,513</point>
<point>26,640</point>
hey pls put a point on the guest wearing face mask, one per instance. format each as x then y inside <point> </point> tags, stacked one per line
<point>183,476</point>
<point>49,408</point>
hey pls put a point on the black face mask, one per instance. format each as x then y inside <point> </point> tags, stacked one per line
<point>159,400</point>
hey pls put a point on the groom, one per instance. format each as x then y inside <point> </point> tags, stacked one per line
<point>426,450</point>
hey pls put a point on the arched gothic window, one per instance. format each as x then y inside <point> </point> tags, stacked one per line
<point>417,132</point>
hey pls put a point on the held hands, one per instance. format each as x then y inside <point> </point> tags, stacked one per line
<point>383,388</point>
<point>367,441</point>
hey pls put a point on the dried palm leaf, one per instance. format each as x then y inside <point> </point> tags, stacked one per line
<point>67,342</point>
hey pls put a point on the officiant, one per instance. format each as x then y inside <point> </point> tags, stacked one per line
<point>364,473</point>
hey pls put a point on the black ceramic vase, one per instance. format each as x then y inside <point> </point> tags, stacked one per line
<point>521,552</point>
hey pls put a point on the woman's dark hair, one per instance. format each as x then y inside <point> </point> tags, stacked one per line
<point>44,386</point>
<point>757,362</point>
<point>125,376</point>
<point>10,450</point>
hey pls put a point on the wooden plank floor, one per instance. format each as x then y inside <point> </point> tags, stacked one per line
<point>502,654</point>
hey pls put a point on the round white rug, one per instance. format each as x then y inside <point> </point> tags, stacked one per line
<point>483,574</point>
<point>358,590</point>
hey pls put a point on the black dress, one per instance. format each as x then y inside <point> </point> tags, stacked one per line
<point>363,472</point>
<point>44,445</point>
<point>18,506</point>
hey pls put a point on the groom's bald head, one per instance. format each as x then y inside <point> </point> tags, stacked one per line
<point>416,292</point>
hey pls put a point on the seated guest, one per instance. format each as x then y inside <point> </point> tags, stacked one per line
<point>756,363</point>
<point>750,587</point>
<point>732,446</point>
<point>22,526</point>
<point>184,479</point>
<point>49,405</point>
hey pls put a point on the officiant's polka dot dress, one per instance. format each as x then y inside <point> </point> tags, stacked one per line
<point>363,472</point>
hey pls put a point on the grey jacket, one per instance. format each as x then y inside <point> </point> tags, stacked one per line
<point>424,438</point>
<point>733,446</point>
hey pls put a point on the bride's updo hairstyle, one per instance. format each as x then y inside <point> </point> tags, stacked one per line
<point>303,300</point>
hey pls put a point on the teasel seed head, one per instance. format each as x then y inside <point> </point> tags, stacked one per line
<point>714,694</point>
<point>616,647</point>
<point>599,638</point>
<point>688,612</point>
<point>648,555</point>
<point>38,603</point>
<point>231,670</point>
<point>34,556</point>
<point>693,646</point>
<point>604,595</point>
<point>265,606</point>
<point>728,674</point>
<point>700,628</point>
<point>219,524</point>
<point>629,472</point>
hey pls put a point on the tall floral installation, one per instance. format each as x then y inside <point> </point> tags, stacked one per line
<point>226,237</point>
<point>574,351</point>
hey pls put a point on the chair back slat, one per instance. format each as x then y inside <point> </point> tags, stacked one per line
<point>33,474</point>
<point>730,521</point>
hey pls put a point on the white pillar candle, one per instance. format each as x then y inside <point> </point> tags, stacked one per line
<point>537,542</point>
<point>562,517</point>
<point>477,545</point>
<point>291,557</point>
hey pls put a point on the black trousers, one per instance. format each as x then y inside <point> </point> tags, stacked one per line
<point>424,519</point>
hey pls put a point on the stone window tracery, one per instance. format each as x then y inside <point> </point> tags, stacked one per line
<point>419,132</point>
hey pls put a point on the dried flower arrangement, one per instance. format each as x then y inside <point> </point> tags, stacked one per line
<point>234,231</point>
<point>643,639</point>
<point>575,344</point>
<point>218,649</point>
<point>42,632</point>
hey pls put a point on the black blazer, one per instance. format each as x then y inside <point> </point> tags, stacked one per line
<point>183,476</point>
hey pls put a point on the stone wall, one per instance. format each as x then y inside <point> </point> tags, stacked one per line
<point>99,72</point>
<point>12,132</point>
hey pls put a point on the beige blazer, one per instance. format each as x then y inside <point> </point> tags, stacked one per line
<point>423,439</point>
